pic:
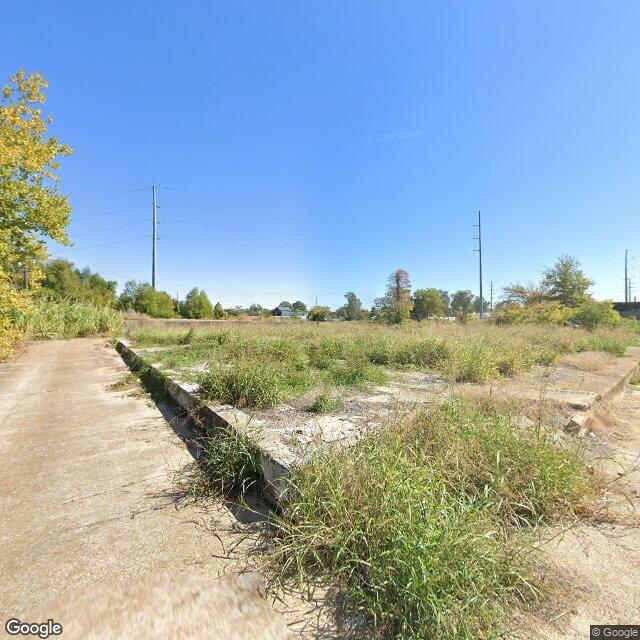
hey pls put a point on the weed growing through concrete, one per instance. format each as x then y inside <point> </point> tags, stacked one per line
<point>425,527</point>
<point>228,465</point>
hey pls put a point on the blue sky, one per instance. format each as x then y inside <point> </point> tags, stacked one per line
<point>312,148</point>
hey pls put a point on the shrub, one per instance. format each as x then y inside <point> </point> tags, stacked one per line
<point>543,312</point>
<point>591,314</point>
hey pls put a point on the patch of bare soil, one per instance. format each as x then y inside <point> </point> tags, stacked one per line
<point>595,566</point>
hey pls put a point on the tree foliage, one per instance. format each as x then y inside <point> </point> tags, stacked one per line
<point>62,281</point>
<point>462,302</point>
<point>352,310</point>
<point>141,297</point>
<point>319,314</point>
<point>427,303</point>
<point>196,305</point>
<point>566,282</point>
<point>396,305</point>
<point>32,206</point>
<point>219,312</point>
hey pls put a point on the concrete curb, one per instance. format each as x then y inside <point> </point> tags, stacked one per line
<point>274,458</point>
<point>580,423</point>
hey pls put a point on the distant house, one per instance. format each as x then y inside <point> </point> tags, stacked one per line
<point>284,312</point>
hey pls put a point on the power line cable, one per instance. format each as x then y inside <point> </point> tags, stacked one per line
<point>106,244</point>
<point>106,213</point>
<point>286,248</point>
<point>117,226</point>
<point>234,212</point>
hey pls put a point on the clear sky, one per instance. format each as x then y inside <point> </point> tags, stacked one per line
<point>313,147</point>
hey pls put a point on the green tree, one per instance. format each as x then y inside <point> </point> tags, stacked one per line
<point>31,206</point>
<point>353,309</point>
<point>61,280</point>
<point>218,311</point>
<point>462,302</point>
<point>299,307</point>
<point>446,301</point>
<point>196,305</point>
<point>157,304</point>
<point>476,304</point>
<point>141,297</point>
<point>566,282</point>
<point>427,303</point>
<point>395,306</point>
<point>319,314</point>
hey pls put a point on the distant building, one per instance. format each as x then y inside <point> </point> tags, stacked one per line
<point>284,312</point>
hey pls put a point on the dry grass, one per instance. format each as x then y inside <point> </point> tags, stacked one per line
<point>283,361</point>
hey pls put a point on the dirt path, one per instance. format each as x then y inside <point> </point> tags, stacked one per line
<point>87,485</point>
<point>596,566</point>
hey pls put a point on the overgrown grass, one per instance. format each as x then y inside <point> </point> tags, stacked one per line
<point>424,527</point>
<point>227,465</point>
<point>285,361</point>
<point>63,319</point>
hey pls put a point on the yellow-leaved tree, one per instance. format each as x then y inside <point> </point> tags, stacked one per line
<point>31,206</point>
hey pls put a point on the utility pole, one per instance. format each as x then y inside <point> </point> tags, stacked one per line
<point>627,295</point>
<point>479,250</point>
<point>155,237</point>
<point>491,303</point>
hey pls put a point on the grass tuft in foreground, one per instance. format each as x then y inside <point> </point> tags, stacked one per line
<point>423,526</point>
<point>227,465</point>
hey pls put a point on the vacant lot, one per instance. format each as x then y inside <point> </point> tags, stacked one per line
<point>264,365</point>
<point>428,527</point>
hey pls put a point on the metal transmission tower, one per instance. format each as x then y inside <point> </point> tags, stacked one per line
<point>154,236</point>
<point>491,303</point>
<point>627,294</point>
<point>479,250</point>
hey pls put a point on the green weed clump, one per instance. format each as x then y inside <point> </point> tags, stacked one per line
<point>251,384</point>
<point>228,465</point>
<point>63,319</point>
<point>325,403</point>
<point>424,527</point>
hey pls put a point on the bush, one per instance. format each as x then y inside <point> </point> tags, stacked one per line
<point>591,314</point>
<point>544,312</point>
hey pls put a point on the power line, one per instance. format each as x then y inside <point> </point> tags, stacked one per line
<point>286,248</point>
<point>249,230</point>
<point>106,244</point>
<point>117,226</point>
<point>106,213</point>
<point>239,213</point>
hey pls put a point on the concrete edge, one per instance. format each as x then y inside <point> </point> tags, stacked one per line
<point>580,423</point>
<point>273,456</point>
